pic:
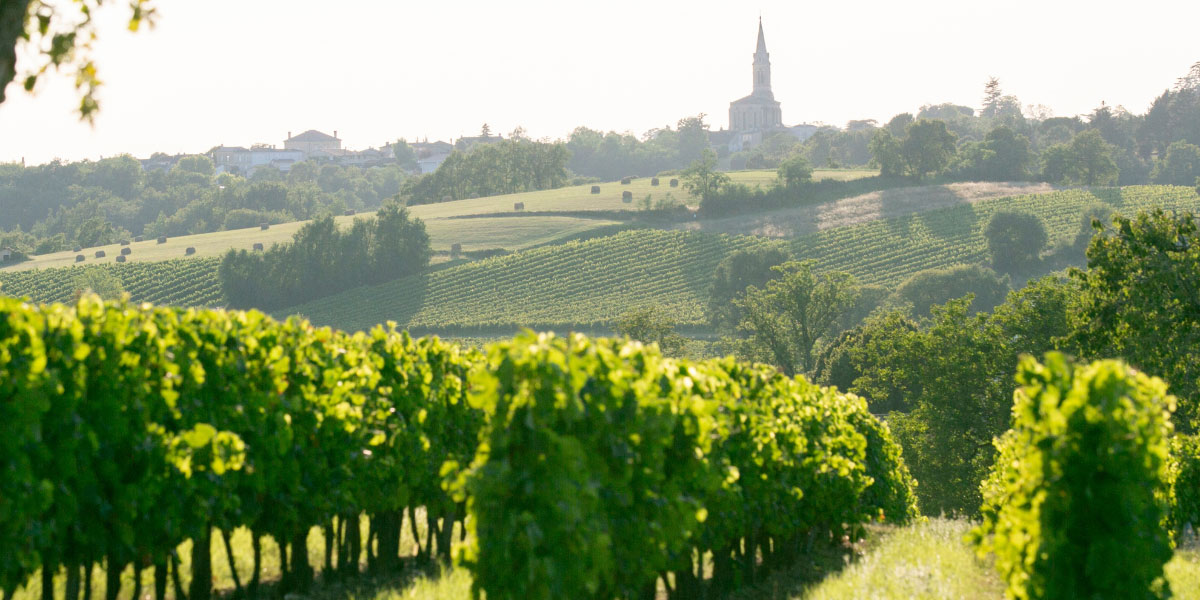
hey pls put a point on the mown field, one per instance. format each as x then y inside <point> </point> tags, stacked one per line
<point>587,284</point>
<point>445,229</point>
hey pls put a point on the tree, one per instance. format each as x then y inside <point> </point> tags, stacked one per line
<point>485,131</point>
<point>1138,301</point>
<point>651,325</point>
<point>1092,159</point>
<point>930,287</point>
<point>406,157</point>
<point>691,138</point>
<point>795,171</point>
<point>58,37</point>
<point>991,98</point>
<point>740,270</point>
<point>886,154</point>
<point>785,320</point>
<point>928,149</point>
<point>1015,240</point>
<point>702,179</point>
<point>1180,166</point>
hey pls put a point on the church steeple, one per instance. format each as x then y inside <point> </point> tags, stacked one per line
<point>762,66</point>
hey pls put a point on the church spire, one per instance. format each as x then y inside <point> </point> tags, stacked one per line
<point>762,41</point>
<point>762,65</point>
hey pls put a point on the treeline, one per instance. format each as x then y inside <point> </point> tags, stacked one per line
<point>941,369</point>
<point>609,483</point>
<point>59,206</point>
<point>611,156</point>
<point>489,169</point>
<point>323,259</point>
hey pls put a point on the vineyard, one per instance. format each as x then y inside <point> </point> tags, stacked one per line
<point>587,284</point>
<point>180,282</point>
<point>167,425</point>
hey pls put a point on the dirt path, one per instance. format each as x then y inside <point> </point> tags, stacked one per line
<point>795,222</point>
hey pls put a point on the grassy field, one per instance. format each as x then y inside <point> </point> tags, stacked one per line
<point>444,230</point>
<point>588,284</point>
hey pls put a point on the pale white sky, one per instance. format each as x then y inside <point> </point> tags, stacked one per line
<point>238,72</point>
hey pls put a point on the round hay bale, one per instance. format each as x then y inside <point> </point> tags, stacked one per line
<point>627,196</point>
<point>446,198</point>
<point>190,251</point>
<point>654,181</point>
<point>126,251</point>
<point>674,183</point>
<point>518,206</point>
<point>455,249</point>
<point>124,242</point>
<point>138,238</point>
<point>162,239</point>
<point>79,258</point>
<point>350,213</point>
<point>77,249</point>
<point>626,180</point>
<point>100,254</point>
<point>264,226</point>
<point>595,189</point>
<point>121,258</point>
<point>258,246</point>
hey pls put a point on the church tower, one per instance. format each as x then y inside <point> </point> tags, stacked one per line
<point>757,113</point>
<point>762,66</point>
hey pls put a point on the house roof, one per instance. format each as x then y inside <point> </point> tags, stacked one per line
<point>312,135</point>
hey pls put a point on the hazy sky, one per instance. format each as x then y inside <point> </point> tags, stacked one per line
<point>238,72</point>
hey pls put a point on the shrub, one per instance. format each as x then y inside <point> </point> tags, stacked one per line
<point>938,286</point>
<point>1015,240</point>
<point>1075,504</point>
<point>1185,463</point>
<point>1095,211</point>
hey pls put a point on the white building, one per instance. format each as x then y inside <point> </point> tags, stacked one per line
<point>240,161</point>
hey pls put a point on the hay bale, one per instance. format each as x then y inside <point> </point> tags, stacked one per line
<point>350,213</point>
<point>595,189</point>
<point>162,239</point>
<point>121,258</point>
<point>455,250</point>
<point>446,198</point>
<point>126,251</point>
<point>100,254</point>
<point>190,251</point>
<point>674,183</point>
<point>258,246</point>
<point>626,180</point>
<point>77,249</point>
<point>79,258</point>
<point>518,206</point>
<point>627,196</point>
<point>654,181</point>
<point>264,226</point>
<point>124,242</point>
<point>138,238</point>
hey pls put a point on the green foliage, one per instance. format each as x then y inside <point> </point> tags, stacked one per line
<point>886,153</point>
<point>100,282</point>
<point>651,326</point>
<point>1003,155</point>
<point>1138,301</point>
<point>795,171</point>
<point>753,266</point>
<point>1015,240</point>
<point>927,148</point>
<point>489,169</point>
<point>323,260</point>
<point>1075,505</point>
<point>128,430</point>
<point>786,319</point>
<point>1181,165</point>
<point>937,286</point>
<point>1185,475</point>
<point>1087,160</point>
<point>603,465</point>
<point>701,179</point>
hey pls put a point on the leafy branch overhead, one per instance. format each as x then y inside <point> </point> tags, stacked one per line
<point>41,35</point>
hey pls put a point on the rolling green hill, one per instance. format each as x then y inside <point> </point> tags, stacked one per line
<point>587,284</point>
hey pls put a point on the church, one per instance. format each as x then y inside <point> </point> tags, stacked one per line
<point>757,115</point>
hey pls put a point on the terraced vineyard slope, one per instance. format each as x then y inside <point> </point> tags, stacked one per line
<point>586,285</point>
<point>181,282</point>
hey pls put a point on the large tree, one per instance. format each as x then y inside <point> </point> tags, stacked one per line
<point>702,179</point>
<point>928,149</point>
<point>785,320</point>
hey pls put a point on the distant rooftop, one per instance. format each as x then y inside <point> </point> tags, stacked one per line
<point>312,135</point>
